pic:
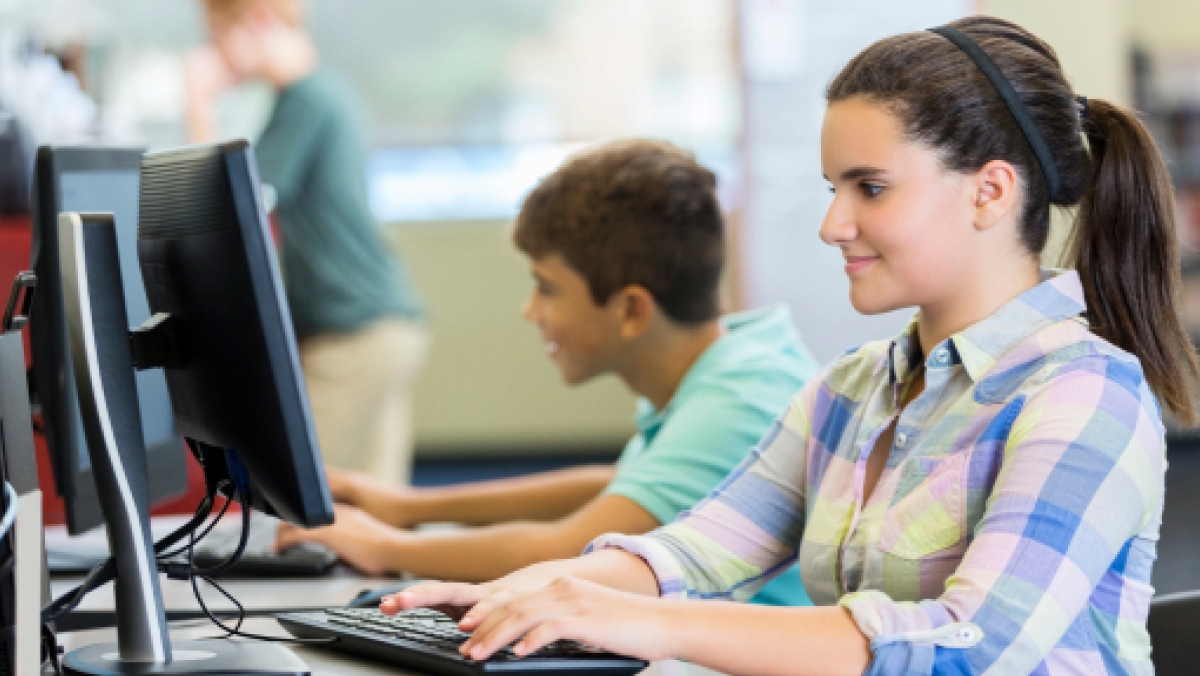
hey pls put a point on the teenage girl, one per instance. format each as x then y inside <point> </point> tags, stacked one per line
<point>980,494</point>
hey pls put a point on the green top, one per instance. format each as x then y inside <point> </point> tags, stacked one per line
<point>337,271</point>
<point>726,403</point>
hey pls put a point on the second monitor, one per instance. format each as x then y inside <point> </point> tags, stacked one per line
<point>92,179</point>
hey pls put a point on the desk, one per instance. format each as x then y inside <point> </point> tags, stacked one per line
<point>283,593</point>
<point>256,594</point>
<point>275,594</point>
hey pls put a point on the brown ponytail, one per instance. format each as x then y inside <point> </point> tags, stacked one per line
<point>1124,243</point>
<point>1125,248</point>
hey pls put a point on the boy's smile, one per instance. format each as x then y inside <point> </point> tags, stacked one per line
<point>580,336</point>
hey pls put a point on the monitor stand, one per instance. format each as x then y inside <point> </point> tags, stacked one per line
<point>98,330</point>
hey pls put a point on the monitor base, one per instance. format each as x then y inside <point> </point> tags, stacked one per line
<point>196,658</point>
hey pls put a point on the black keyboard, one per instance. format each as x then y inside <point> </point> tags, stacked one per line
<point>294,562</point>
<point>428,641</point>
<point>260,558</point>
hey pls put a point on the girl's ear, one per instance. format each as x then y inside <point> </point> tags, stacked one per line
<point>996,187</point>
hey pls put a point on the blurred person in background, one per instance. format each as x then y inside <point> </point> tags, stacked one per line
<point>357,317</point>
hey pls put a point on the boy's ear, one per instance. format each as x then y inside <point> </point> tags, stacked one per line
<point>636,308</point>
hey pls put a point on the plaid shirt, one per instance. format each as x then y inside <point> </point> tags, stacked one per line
<point>1013,529</point>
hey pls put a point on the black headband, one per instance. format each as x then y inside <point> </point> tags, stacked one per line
<point>1019,112</point>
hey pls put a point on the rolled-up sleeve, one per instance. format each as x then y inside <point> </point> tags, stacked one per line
<point>1068,532</point>
<point>747,530</point>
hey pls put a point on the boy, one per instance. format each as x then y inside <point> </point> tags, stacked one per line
<point>358,320</point>
<point>626,243</point>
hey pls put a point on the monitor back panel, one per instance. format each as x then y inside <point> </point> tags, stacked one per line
<point>90,179</point>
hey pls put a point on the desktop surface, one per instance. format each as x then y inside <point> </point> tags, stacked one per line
<point>74,556</point>
<point>327,662</point>
<point>334,590</point>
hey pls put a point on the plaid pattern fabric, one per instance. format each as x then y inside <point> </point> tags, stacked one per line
<point>1013,529</point>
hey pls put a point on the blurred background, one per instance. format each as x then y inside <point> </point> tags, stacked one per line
<point>470,102</point>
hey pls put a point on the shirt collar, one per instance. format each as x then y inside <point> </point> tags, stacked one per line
<point>766,330</point>
<point>1059,296</point>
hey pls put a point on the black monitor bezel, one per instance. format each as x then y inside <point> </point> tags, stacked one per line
<point>75,485</point>
<point>295,488</point>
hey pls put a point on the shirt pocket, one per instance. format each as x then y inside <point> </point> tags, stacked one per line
<point>932,516</point>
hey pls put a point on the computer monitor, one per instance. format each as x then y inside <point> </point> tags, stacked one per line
<point>224,336</point>
<point>92,179</point>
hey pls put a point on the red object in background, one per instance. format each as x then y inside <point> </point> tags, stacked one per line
<point>15,236</point>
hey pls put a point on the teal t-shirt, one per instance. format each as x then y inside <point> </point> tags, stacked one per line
<point>337,271</point>
<point>726,403</point>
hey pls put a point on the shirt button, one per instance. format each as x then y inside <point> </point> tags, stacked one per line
<point>901,439</point>
<point>941,356</point>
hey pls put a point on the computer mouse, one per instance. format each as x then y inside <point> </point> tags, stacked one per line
<point>370,598</point>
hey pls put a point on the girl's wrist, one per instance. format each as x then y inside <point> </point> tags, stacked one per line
<point>674,626</point>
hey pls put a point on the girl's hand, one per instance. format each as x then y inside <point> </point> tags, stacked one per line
<point>571,608</point>
<point>543,603</point>
<point>479,598</point>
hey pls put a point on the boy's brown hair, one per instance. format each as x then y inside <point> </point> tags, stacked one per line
<point>291,11</point>
<point>633,212</point>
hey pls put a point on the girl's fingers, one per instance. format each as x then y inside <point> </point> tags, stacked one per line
<point>484,609</point>
<point>432,594</point>
<point>511,622</point>
<point>543,635</point>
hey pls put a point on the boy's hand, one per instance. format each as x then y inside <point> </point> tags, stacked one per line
<point>355,536</point>
<point>207,76</point>
<point>380,500</point>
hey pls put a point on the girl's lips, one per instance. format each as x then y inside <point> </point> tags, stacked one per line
<point>856,264</point>
<point>552,348</point>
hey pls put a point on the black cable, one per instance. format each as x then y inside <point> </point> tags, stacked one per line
<point>196,573</point>
<point>51,652</point>
<point>107,571</point>
<point>200,598</point>
<point>183,548</point>
<point>241,610</point>
<point>236,630</point>
<point>101,574</point>
<point>232,559</point>
<point>7,567</point>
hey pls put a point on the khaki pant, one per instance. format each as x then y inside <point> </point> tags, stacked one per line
<point>360,387</point>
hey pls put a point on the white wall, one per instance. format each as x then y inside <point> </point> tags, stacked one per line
<point>795,49</point>
<point>1091,37</point>
<point>1164,25</point>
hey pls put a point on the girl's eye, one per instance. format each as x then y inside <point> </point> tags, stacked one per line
<point>870,189</point>
<point>832,189</point>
